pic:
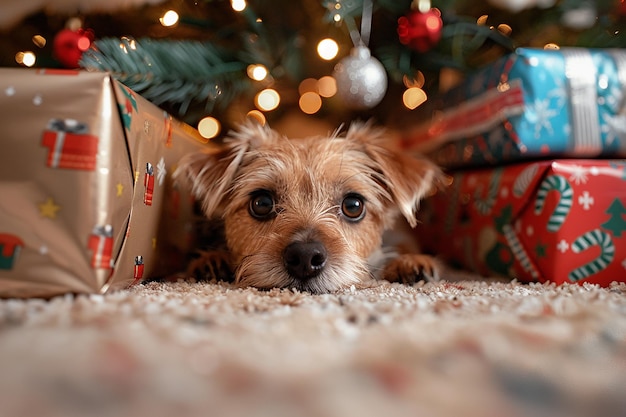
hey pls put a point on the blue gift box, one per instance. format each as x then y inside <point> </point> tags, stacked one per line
<point>532,104</point>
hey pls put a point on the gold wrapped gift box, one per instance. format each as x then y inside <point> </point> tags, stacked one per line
<point>88,204</point>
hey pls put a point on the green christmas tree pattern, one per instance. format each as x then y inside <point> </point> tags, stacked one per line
<point>616,224</point>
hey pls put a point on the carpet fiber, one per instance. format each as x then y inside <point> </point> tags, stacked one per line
<point>437,349</point>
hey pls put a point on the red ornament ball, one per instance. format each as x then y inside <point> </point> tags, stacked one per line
<point>420,31</point>
<point>69,45</point>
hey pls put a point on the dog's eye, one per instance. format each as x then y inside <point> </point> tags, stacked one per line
<point>353,207</point>
<point>262,205</point>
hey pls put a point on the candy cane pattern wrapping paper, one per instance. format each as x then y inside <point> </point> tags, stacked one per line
<point>558,220</point>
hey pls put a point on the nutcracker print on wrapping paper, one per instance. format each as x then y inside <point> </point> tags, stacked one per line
<point>70,145</point>
<point>138,270</point>
<point>148,183</point>
<point>101,245</point>
<point>10,248</point>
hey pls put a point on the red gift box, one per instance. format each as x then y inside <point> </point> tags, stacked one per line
<point>560,221</point>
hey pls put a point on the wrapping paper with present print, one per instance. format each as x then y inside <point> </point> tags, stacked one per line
<point>87,201</point>
<point>560,221</point>
<point>534,103</point>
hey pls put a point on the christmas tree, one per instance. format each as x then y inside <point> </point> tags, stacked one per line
<point>223,59</point>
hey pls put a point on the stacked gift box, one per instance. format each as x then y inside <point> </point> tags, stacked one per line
<point>533,143</point>
<point>88,203</point>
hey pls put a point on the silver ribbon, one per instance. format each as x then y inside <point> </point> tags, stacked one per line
<point>581,75</point>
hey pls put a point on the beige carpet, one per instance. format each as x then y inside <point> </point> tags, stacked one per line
<point>442,349</point>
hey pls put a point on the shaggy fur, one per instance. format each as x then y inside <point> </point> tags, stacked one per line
<point>334,196</point>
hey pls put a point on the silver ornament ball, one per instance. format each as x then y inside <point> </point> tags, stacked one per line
<point>361,79</point>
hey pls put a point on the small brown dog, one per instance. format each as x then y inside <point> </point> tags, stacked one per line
<point>309,213</point>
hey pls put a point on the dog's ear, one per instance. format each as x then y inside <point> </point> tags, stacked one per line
<point>209,175</point>
<point>407,178</point>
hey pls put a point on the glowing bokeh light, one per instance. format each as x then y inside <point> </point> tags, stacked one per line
<point>307,85</point>
<point>267,100</point>
<point>209,127</point>
<point>238,5</point>
<point>258,116</point>
<point>413,97</point>
<point>169,18</point>
<point>417,81</point>
<point>39,41</point>
<point>83,43</point>
<point>310,102</point>
<point>257,72</point>
<point>327,49</point>
<point>26,58</point>
<point>327,86</point>
<point>553,46</point>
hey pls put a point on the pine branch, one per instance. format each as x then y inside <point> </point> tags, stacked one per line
<point>172,72</point>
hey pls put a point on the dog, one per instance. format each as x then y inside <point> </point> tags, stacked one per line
<point>309,214</point>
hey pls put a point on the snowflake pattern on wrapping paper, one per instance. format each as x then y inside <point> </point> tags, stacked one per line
<point>540,113</point>
<point>559,93</point>
<point>614,127</point>
<point>586,200</point>
<point>615,98</point>
<point>579,175</point>
<point>161,171</point>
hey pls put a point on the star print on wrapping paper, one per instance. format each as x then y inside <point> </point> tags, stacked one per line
<point>119,189</point>
<point>49,209</point>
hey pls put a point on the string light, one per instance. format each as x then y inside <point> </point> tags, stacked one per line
<point>127,41</point>
<point>267,100</point>
<point>551,46</point>
<point>169,18</point>
<point>39,41</point>
<point>83,43</point>
<point>505,29</point>
<point>310,102</point>
<point>327,86</point>
<point>27,58</point>
<point>327,49</point>
<point>209,127</point>
<point>306,85</point>
<point>337,16</point>
<point>257,72</point>
<point>238,5</point>
<point>417,81</point>
<point>258,116</point>
<point>413,97</point>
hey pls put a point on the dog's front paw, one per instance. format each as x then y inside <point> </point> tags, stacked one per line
<point>211,265</point>
<point>411,268</point>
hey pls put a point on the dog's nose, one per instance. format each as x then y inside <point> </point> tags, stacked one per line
<point>304,260</point>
